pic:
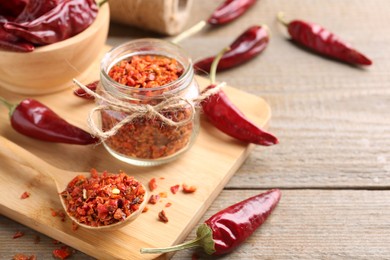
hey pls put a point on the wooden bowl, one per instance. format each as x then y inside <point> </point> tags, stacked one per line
<point>51,68</point>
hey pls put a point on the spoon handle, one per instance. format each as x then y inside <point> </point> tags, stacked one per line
<point>18,154</point>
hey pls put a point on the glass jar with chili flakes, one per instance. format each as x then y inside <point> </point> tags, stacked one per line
<point>148,115</point>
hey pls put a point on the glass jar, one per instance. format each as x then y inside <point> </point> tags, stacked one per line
<point>149,139</point>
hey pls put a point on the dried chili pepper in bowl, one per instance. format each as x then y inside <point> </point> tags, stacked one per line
<point>322,41</point>
<point>224,115</point>
<point>246,46</point>
<point>230,227</point>
<point>32,118</point>
<point>51,26</point>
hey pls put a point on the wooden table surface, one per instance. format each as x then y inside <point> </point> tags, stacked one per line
<point>333,122</point>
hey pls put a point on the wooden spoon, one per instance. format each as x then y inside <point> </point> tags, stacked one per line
<point>60,177</point>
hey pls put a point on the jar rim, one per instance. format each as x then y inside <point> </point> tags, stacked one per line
<point>170,88</point>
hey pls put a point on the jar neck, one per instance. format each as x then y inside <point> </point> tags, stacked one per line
<point>146,47</point>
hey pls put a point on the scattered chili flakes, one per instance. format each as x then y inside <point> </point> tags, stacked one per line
<point>25,195</point>
<point>103,206</point>
<point>58,213</point>
<point>74,226</point>
<point>37,239</point>
<point>23,257</point>
<point>62,253</point>
<point>162,216</point>
<point>153,199</point>
<point>175,188</point>
<point>168,204</point>
<point>163,194</point>
<point>188,189</point>
<point>18,234</point>
<point>55,242</point>
<point>152,184</point>
<point>145,209</point>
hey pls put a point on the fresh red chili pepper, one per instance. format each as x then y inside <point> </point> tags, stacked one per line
<point>247,46</point>
<point>322,41</point>
<point>230,227</point>
<point>83,94</point>
<point>34,119</point>
<point>65,20</point>
<point>224,115</point>
<point>229,10</point>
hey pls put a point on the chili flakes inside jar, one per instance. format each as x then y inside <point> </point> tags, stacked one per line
<point>148,137</point>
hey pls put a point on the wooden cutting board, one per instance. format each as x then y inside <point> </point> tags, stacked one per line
<point>208,165</point>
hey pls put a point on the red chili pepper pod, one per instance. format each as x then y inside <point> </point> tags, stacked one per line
<point>83,94</point>
<point>229,10</point>
<point>230,227</point>
<point>225,13</point>
<point>322,41</point>
<point>246,46</point>
<point>224,115</point>
<point>33,119</point>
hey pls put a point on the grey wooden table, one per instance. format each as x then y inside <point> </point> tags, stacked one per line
<point>333,122</point>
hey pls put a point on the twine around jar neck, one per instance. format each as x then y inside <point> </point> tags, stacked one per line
<point>143,110</point>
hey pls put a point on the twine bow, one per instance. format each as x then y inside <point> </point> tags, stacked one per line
<point>134,111</point>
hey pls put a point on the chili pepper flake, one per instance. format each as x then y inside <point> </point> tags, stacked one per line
<point>37,239</point>
<point>188,189</point>
<point>146,209</point>
<point>111,198</point>
<point>24,257</point>
<point>62,253</point>
<point>153,199</point>
<point>74,226</point>
<point>168,204</point>
<point>18,234</point>
<point>175,189</point>
<point>162,216</point>
<point>25,195</point>
<point>163,194</point>
<point>152,184</point>
<point>146,71</point>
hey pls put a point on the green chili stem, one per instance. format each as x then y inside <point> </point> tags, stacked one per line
<point>11,107</point>
<point>214,65</point>
<point>187,245</point>
<point>102,3</point>
<point>281,19</point>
